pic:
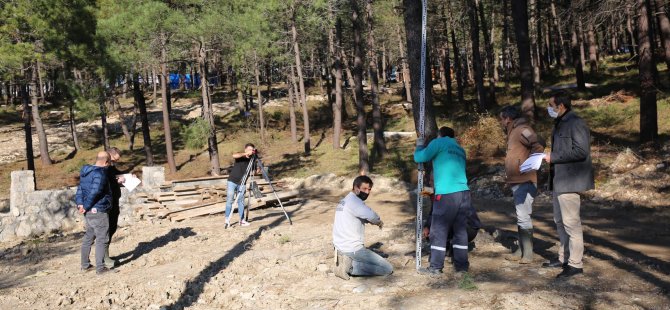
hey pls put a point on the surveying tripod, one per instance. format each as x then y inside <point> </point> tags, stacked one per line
<point>253,188</point>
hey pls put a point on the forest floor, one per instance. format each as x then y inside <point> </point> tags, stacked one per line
<point>200,265</point>
<point>271,264</point>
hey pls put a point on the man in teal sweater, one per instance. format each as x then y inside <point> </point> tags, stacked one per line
<point>451,202</point>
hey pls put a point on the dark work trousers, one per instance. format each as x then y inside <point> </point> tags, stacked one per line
<point>113,214</point>
<point>97,228</point>
<point>450,211</point>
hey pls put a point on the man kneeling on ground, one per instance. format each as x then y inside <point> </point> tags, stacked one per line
<point>351,215</point>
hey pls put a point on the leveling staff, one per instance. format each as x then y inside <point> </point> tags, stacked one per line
<point>240,166</point>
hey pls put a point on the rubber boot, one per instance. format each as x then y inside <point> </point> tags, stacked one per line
<point>516,255</point>
<point>109,262</point>
<point>526,245</point>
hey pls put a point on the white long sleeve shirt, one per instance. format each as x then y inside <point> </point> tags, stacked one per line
<point>351,215</point>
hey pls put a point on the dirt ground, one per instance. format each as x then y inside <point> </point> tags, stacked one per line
<point>196,264</point>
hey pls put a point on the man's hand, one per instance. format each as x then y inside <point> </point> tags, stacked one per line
<point>248,154</point>
<point>419,142</point>
<point>547,157</point>
<point>81,210</point>
<point>426,232</point>
<point>120,179</point>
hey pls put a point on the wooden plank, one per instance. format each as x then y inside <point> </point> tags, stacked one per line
<point>196,207</point>
<point>189,193</point>
<point>218,209</point>
<point>218,177</point>
<point>184,188</point>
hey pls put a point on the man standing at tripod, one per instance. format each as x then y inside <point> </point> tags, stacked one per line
<point>235,184</point>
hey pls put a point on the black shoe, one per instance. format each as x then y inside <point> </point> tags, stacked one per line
<point>431,272</point>
<point>226,226</point>
<point>570,271</point>
<point>554,264</point>
<point>106,271</point>
<point>86,269</point>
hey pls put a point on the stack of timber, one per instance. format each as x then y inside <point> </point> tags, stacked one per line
<point>182,199</point>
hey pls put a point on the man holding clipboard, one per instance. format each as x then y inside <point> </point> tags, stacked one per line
<point>522,141</point>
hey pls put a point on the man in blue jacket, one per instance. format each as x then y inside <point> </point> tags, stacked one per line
<point>94,200</point>
<point>571,172</point>
<point>451,202</point>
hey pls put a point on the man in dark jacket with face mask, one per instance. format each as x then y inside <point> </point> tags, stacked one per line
<point>351,215</point>
<point>571,172</point>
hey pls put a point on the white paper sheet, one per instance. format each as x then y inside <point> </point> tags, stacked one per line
<point>533,162</point>
<point>131,182</point>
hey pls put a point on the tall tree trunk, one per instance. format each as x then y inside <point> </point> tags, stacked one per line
<point>532,33</point>
<point>384,74</point>
<point>476,56</point>
<point>363,164</point>
<point>291,106</point>
<point>37,120</point>
<point>261,117</point>
<point>155,85</point>
<point>103,120</point>
<point>490,53</point>
<point>207,110</point>
<point>301,81</point>
<point>520,18</point>
<point>576,59</point>
<point>413,31</point>
<point>648,74</point>
<point>557,26</point>
<point>580,34</point>
<point>336,71</point>
<point>379,145</point>
<point>593,48</point>
<point>27,128</point>
<point>506,44</point>
<point>40,82</point>
<point>406,82</point>
<point>165,91</point>
<point>458,68</point>
<point>138,95</point>
<point>664,29</point>
<point>631,35</point>
<point>122,117</point>
<point>348,108</point>
<point>73,129</point>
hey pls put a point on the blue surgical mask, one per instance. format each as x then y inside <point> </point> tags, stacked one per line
<point>552,112</point>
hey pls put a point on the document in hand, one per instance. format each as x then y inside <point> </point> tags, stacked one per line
<point>131,182</point>
<point>533,162</point>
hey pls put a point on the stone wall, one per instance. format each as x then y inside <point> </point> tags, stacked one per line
<point>32,213</point>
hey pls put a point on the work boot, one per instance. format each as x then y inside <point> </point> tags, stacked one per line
<point>516,255</point>
<point>109,262</point>
<point>526,245</point>
<point>343,265</point>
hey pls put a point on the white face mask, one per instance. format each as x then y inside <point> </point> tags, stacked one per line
<point>552,112</point>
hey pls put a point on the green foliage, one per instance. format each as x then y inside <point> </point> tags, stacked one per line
<point>195,134</point>
<point>283,239</point>
<point>74,165</point>
<point>467,283</point>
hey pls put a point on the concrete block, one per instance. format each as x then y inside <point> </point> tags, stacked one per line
<point>23,229</point>
<point>153,177</point>
<point>22,183</point>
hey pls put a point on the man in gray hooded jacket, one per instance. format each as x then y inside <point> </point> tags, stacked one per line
<point>571,172</point>
<point>351,215</point>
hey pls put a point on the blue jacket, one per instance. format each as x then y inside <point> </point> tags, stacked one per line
<point>94,190</point>
<point>448,164</point>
